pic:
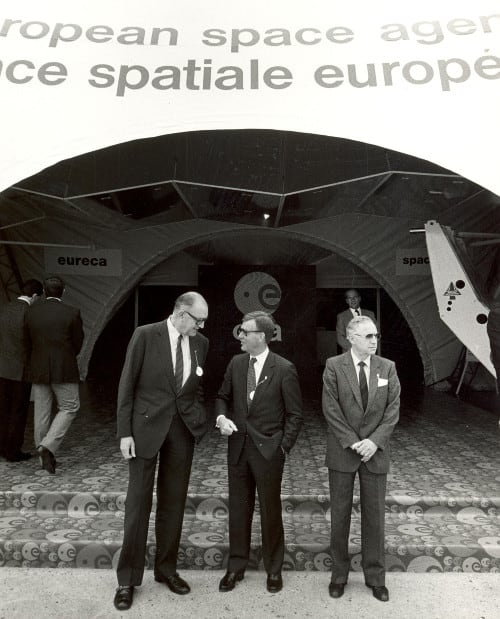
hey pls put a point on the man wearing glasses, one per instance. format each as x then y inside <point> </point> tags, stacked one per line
<point>161,416</point>
<point>353,300</point>
<point>361,406</point>
<point>259,407</point>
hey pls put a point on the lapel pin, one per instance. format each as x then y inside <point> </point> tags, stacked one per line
<point>199,370</point>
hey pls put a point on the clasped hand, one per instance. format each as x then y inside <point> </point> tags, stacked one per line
<point>226,426</point>
<point>365,448</point>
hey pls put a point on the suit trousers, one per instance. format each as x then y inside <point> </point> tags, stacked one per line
<point>175,458</point>
<point>50,432</point>
<point>372,497</point>
<point>14,404</point>
<point>254,471</point>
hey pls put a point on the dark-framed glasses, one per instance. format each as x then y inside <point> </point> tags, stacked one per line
<point>245,332</point>
<point>369,336</point>
<point>198,321</point>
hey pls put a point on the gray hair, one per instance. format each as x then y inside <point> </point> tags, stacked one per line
<point>356,322</point>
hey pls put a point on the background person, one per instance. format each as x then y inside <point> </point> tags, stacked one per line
<point>353,300</point>
<point>56,336</point>
<point>15,385</point>
<point>361,406</point>
<point>259,407</point>
<point>160,414</point>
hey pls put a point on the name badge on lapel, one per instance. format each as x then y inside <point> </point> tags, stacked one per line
<point>382,382</point>
<point>199,369</point>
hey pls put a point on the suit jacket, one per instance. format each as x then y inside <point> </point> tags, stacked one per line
<point>274,417</point>
<point>147,398</point>
<point>14,342</point>
<point>343,319</point>
<point>348,423</point>
<point>56,336</point>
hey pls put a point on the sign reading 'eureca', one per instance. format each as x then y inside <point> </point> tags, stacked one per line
<point>102,262</point>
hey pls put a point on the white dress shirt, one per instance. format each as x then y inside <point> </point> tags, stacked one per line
<point>366,368</point>
<point>173,334</point>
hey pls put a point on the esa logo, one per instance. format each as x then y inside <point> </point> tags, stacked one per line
<point>257,291</point>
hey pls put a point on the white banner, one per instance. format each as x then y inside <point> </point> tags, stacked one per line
<point>421,78</point>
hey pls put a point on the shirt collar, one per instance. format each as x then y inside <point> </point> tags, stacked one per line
<point>173,333</point>
<point>356,360</point>
<point>25,299</point>
<point>261,357</point>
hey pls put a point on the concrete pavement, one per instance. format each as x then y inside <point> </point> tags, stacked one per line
<point>88,594</point>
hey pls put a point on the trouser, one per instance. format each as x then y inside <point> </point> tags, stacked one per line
<point>175,458</point>
<point>50,432</point>
<point>14,404</point>
<point>252,472</point>
<point>372,496</point>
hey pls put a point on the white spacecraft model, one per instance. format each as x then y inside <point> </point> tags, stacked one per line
<point>461,305</point>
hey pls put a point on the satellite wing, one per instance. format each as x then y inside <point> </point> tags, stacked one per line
<point>459,302</point>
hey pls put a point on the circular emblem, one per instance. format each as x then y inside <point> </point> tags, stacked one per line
<point>257,291</point>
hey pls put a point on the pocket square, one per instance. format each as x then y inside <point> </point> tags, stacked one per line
<point>382,382</point>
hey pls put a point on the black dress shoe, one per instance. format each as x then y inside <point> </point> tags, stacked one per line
<point>123,597</point>
<point>274,583</point>
<point>175,583</point>
<point>19,456</point>
<point>380,592</point>
<point>48,460</point>
<point>336,589</point>
<point>229,580</point>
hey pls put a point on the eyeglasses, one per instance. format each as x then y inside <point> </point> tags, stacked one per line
<point>369,336</point>
<point>198,321</point>
<point>246,332</point>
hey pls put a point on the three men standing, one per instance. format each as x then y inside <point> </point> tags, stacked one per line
<point>361,405</point>
<point>259,407</point>
<point>161,415</point>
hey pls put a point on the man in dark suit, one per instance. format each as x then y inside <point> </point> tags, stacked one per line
<point>361,406</point>
<point>160,413</point>
<point>353,300</point>
<point>259,407</point>
<point>15,385</point>
<point>56,337</point>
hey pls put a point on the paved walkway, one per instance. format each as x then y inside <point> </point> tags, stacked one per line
<point>88,594</point>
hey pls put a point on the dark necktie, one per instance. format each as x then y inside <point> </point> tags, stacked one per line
<point>358,313</point>
<point>363,385</point>
<point>251,380</point>
<point>179,365</point>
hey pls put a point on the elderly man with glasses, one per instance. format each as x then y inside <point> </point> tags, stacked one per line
<point>259,407</point>
<point>361,405</point>
<point>161,415</point>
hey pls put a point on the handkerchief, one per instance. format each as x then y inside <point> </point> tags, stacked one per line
<point>382,382</point>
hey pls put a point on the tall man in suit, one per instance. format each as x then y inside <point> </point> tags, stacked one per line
<point>56,337</point>
<point>361,406</point>
<point>353,300</point>
<point>161,415</point>
<point>15,382</point>
<point>259,407</point>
